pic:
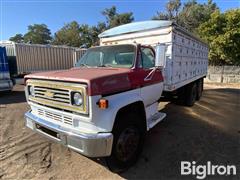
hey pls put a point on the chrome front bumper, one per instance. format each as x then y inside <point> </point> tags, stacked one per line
<point>91,145</point>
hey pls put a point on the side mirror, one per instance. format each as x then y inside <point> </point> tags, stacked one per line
<point>160,60</point>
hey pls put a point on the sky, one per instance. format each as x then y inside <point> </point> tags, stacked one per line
<point>16,15</point>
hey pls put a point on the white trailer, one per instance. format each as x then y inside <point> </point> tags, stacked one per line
<point>186,55</point>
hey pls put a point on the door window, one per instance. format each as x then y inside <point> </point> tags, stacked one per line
<point>147,58</point>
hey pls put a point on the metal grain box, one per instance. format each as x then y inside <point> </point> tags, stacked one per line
<point>186,55</point>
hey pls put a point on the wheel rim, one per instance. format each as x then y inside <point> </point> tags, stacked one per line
<point>127,144</point>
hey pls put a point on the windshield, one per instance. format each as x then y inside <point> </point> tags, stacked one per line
<point>109,56</point>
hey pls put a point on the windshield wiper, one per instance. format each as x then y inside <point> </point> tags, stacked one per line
<point>84,65</point>
<point>105,65</point>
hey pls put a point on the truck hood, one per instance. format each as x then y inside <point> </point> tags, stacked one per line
<point>100,81</point>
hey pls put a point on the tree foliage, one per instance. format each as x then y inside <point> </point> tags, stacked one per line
<point>171,11</point>
<point>222,32</point>
<point>68,35</point>
<point>73,34</point>
<point>18,38</point>
<point>115,19</point>
<point>193,14</point>
<point>38,34</point>
<point>95,31</point>
<point>190,15</point>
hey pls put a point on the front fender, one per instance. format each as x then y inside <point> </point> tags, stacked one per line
<point>105,118</point>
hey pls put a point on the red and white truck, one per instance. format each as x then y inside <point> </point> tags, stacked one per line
<point>104,106</point>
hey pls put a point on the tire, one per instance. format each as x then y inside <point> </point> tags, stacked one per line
<point>128,140</point>
<point>181,96</point>
<point>199,89</point>
<point>191,94</point>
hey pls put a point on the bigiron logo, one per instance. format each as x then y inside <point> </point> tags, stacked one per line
<point>202,171</point>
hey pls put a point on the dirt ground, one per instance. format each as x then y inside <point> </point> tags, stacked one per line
<point>208,131</point>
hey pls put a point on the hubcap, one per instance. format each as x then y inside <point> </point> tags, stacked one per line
<point>127,144</point>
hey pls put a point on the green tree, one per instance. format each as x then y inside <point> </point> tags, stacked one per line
<point>18,38</point>
<point>222,32</point>
<point>73,34</point>
<point>95,31</point>
<point>193,14</point>
<point>115,19</point>
<point>38,34</point>
<point>161,16</point>
<point>85,35</point>
<point>171,12</point>
<point>173,7</point>
<point>190,15</point>
<point>68,35</point>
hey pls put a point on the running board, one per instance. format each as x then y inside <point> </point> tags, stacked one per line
<point>156,118</point>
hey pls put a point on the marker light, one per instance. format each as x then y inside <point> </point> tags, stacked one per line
<point>103,103</point>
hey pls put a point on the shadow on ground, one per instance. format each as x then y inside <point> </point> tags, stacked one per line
<point>208,131</point>
<point>17,95</point>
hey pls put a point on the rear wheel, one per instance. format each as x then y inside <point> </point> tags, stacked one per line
<point>181,96</point>
<point>199,89</point>
<point>128,139</point>
<point>191,94</point>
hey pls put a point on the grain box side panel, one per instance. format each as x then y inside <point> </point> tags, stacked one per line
<point>189,60</point>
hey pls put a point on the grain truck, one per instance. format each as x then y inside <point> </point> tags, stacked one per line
<point>104,106</point>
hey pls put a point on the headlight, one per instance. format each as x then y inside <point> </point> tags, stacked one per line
<point>77,99</point>
<point>31,90</point>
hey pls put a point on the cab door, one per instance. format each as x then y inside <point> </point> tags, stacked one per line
<point>151,77</point>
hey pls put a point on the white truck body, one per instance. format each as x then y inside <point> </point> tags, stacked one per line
<point>186,55</point>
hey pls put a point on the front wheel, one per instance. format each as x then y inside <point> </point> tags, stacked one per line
<point>128,141</point>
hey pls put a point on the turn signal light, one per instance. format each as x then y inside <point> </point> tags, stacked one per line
<point>103,103</point>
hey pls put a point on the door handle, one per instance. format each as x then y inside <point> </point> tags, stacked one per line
<point>150,75</point>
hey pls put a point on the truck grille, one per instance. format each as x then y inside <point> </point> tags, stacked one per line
<point>53,116</point>
<point>57,95</point>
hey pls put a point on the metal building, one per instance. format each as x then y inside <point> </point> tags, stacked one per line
<point>29,58</point>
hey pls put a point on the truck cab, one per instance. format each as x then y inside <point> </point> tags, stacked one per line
<point>104,106</point>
